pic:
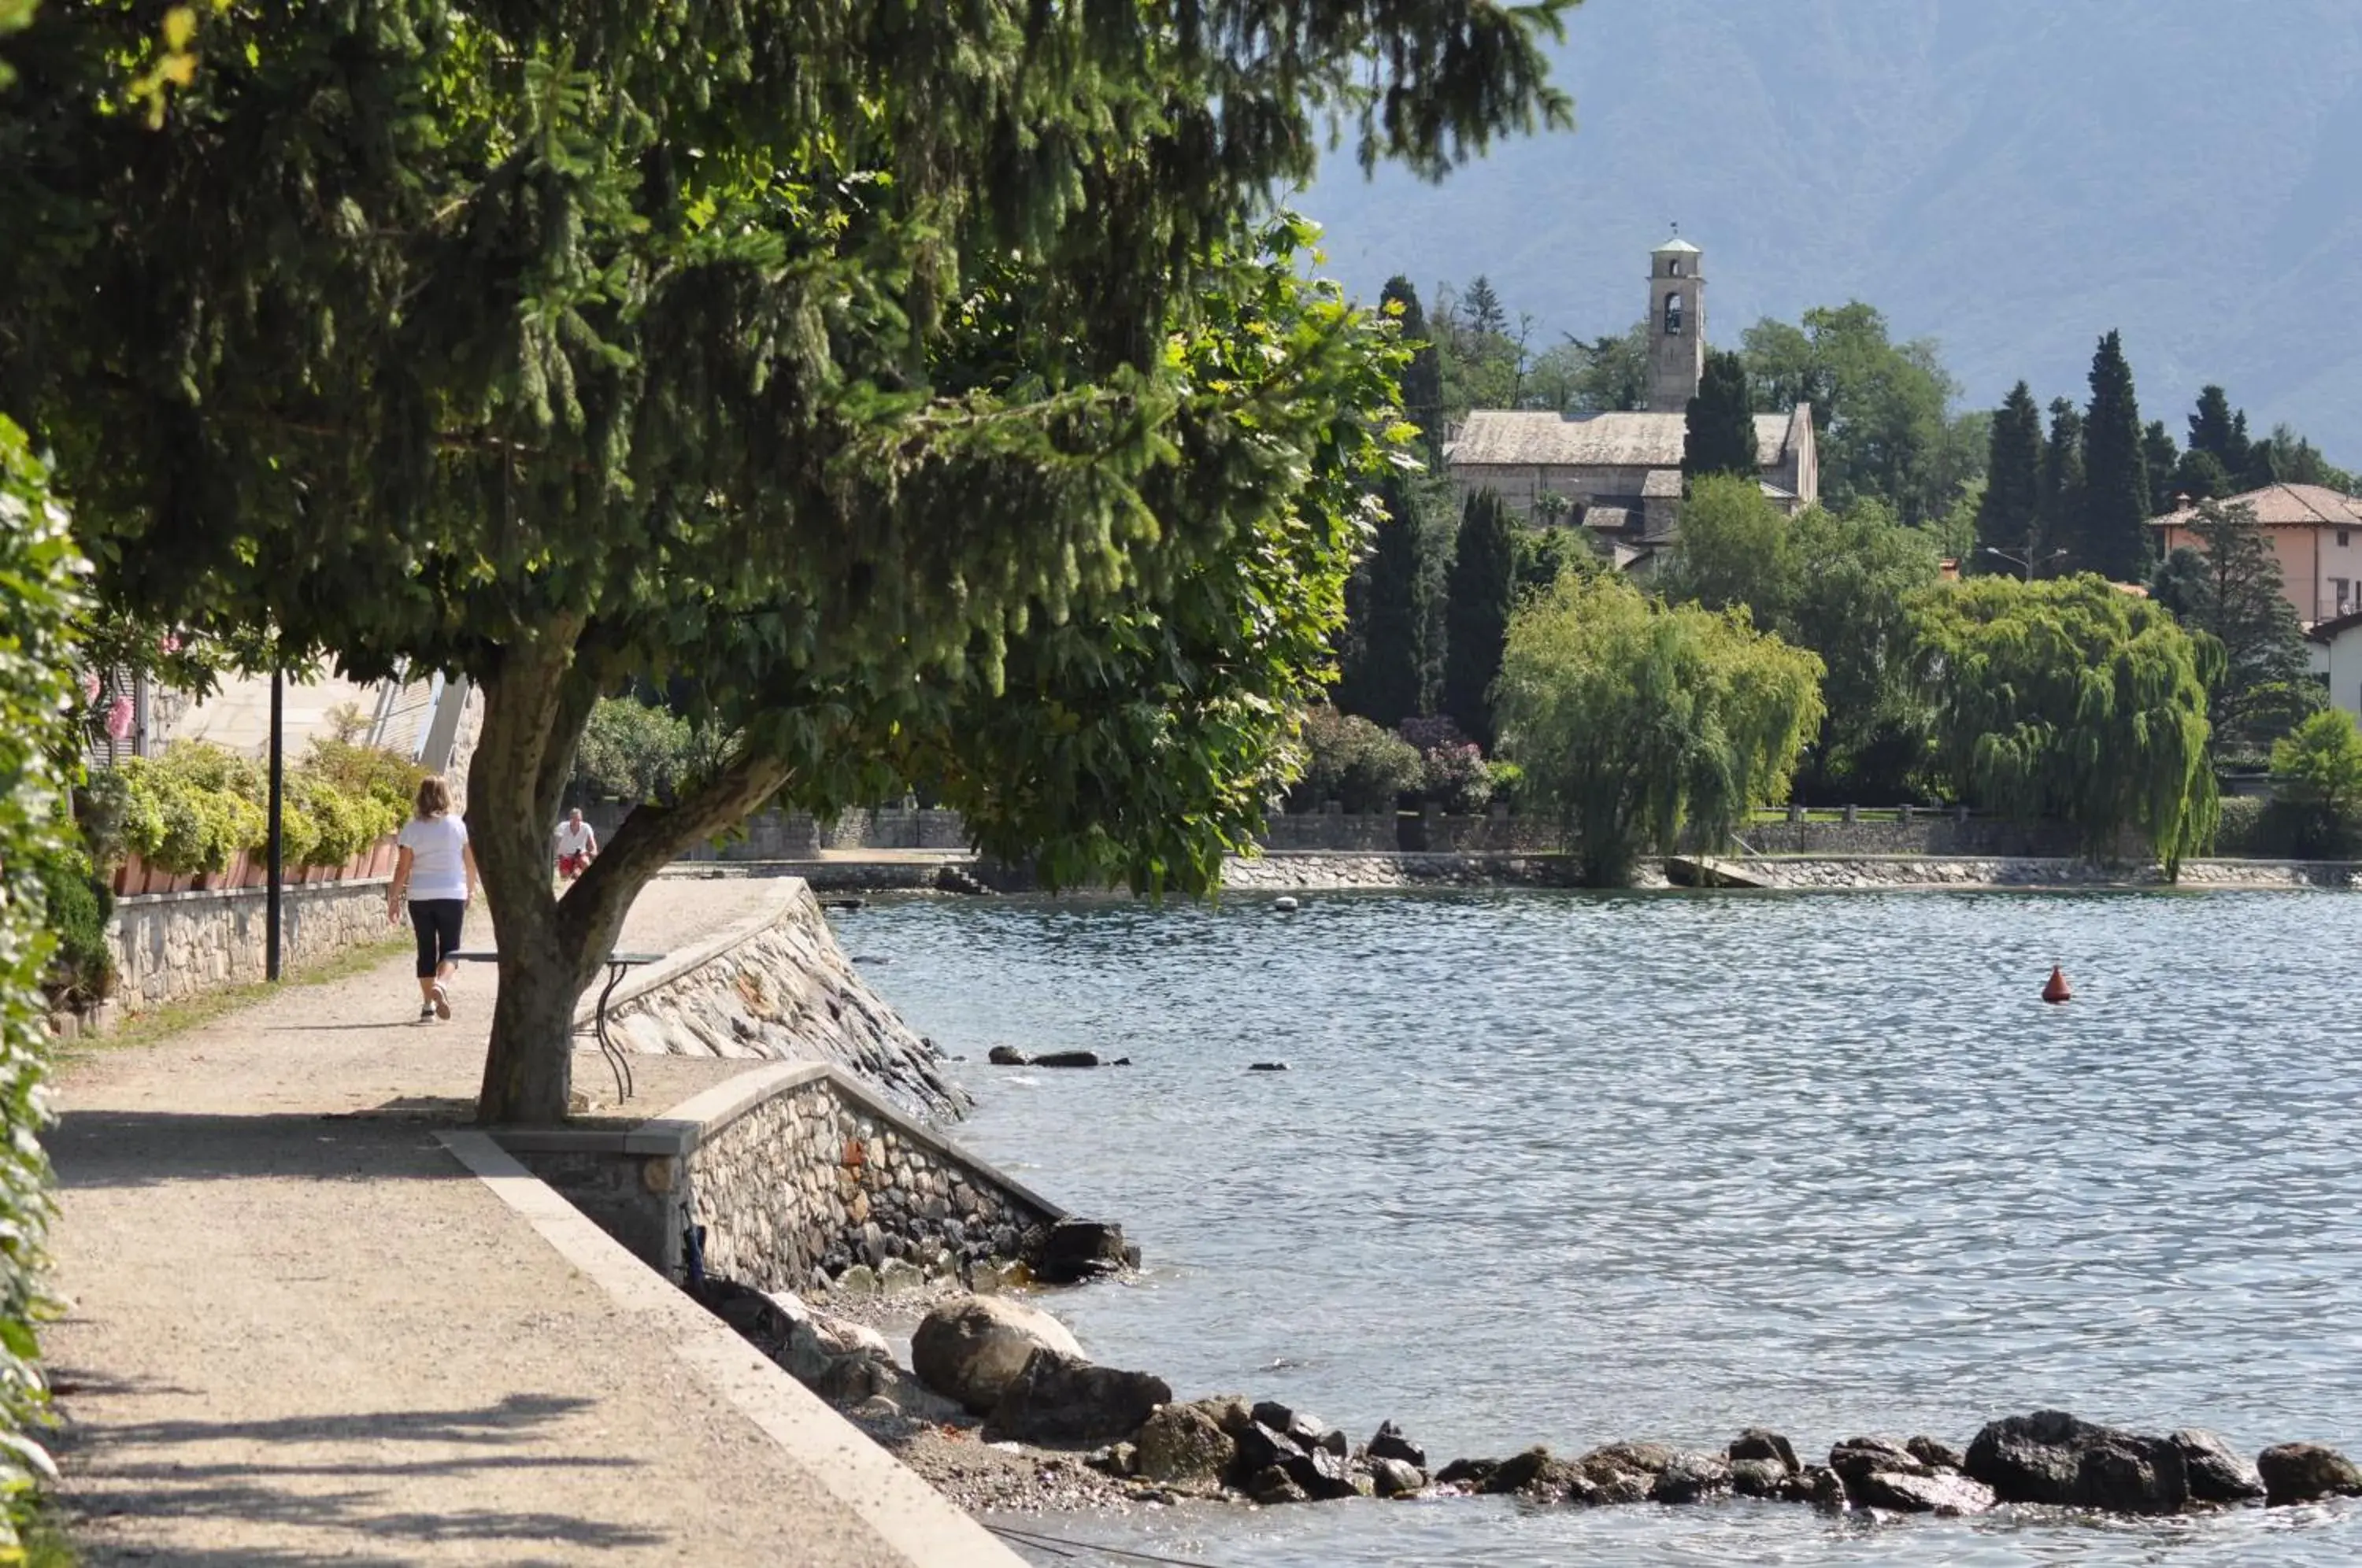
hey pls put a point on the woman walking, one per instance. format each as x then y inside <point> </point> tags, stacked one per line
<point>438,870</point>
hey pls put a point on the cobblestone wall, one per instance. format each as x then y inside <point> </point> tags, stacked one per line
<point>812,1182</point>
<point>797,1172</point>
<point>170,946</point>
<point>779,988</point>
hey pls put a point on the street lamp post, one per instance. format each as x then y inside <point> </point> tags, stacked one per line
<point>2026,561</point>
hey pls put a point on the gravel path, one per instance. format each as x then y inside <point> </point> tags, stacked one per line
<point>297,1331</point>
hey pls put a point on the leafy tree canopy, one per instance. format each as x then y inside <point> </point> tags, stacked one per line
<point>1882,408</point>
<point>2071,699</point>
<point>1638,723</point>
<point>913,389</point>
<point>2229,587</point>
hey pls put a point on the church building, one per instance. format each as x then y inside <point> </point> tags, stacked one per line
<point>1620,474</point>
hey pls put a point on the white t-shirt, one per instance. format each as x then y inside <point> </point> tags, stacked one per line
<point>438,866</point>
<point>574,838</point>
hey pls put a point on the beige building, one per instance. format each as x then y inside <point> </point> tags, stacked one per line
<point>2314,531</point>
<point>1619,475</point>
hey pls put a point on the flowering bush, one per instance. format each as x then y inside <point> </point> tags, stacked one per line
<point>1456,778</point>
<point>198,807</point>
<point>1353,762</point>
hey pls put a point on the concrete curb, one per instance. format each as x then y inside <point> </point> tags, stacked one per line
<point>907,1514</point>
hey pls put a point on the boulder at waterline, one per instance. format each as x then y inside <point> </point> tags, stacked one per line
<point>1396,1477</point>
<point>1325,1476</point>
<point>2218,1474</point>
<point>1061,1398</point>
<point>1819,1485</point>
<point>1008,1056</point>
<point>1066,1059</point>
<point>2051,1456</point>
<point>1762,1442</point>
<point>2306,1473</point>
<point>972,1348</point>
<point>1936,1453</point>
<point>1272,1486</point>
<point>1390,1443</point>
<point>1535,1472</point>
<point>1691,1478</point>
<point>1946,1492</point>
<point>1071,1251</point>
<point>1183,1445</point>
<point>1469,1473</point>
<point>1262,1446</point>
<point>1759,1478</point>
<point>1858,1456</point>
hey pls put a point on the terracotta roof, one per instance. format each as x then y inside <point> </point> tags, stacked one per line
<point>1503,437</point>
<point>2283,506</point>
<point>1662,483</point>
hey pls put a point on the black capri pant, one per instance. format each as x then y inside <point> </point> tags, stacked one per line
<point>436,922</point>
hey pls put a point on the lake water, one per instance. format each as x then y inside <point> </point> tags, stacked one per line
<point>1566,1168</point>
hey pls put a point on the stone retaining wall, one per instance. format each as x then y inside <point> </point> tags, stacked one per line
<point>778,985</point>
<point>797,1172</point>
<point>790,836</point>
<point>171,947</point>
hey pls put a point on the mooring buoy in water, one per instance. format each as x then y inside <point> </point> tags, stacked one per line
<point>1284,904</point>
<point>2055,990</point>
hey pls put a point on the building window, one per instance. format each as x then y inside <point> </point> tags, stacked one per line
<point>1672,315</point>
<point>2342,535</point>
<point>1673,268</point>
<point>2341,588</point>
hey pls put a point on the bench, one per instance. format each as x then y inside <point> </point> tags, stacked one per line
<point>618,966</point>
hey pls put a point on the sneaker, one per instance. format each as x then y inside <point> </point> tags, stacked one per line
<point>442,1000</point>
<point>427,1012</point>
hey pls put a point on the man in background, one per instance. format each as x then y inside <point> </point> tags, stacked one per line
<point>577,845</point>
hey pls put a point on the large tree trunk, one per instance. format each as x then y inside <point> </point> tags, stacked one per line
<point>552,948</point>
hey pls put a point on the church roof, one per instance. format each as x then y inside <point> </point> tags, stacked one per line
<point>1518,438</point>
<point>1677,246</point>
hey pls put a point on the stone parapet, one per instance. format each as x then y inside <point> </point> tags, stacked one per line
<point>778,985</point>
<point>797,1172</point>
<point>172,946</point>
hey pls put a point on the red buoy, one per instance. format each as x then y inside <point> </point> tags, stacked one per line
<point>2055,988</point>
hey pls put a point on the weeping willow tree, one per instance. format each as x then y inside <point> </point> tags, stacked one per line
<point>2072,699</point>
<point>1638,723</point>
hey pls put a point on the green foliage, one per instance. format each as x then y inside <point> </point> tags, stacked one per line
<point>39,598</point>
<point>1882,408</point>
<point>1634,721</point>
<point>1719,433</point>
<point>81,969</point>
<point>2111,535</point>
<point>908,391</point>
<point>1350,760</point>
<point>1386,661</point>
<point>2008,520</point>
<point>1596,375</point>
<point>1480,589</point>
<point>1422,378</point>
<point>2317,770</point>
<point>2058,514</point>
<point>1734,547</point>
<point>198,807</point>
<point>2231,590</point>
<point>2072,700</point>
<point>2160,458</point>
<point>632,752</point>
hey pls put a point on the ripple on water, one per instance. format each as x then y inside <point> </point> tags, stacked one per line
<point>1565,1168</point>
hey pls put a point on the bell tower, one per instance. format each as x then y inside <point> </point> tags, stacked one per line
<point>1676,324</point>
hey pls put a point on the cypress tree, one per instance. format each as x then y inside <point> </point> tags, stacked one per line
<point>1719,437</point>
<point>2061,507</point>
<point>2209,426</point>
<point>2113,540</point>
<point>2162,457</point>
<point>1384,660</point>
<point>1479,591</point>
<point>2008,516</point>
<point>1422,379</point>
<point>2201,476</point>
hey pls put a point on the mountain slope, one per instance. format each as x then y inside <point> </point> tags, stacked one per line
<point>2012,177</point>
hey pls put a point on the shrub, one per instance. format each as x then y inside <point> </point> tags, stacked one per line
<point>81,969</point>
<point>2317,770</point>
<point>39,570</point>
<point>1355,763</point>
<point>632,752</point>
<point>198,806</point>
<point>1456,778</point>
